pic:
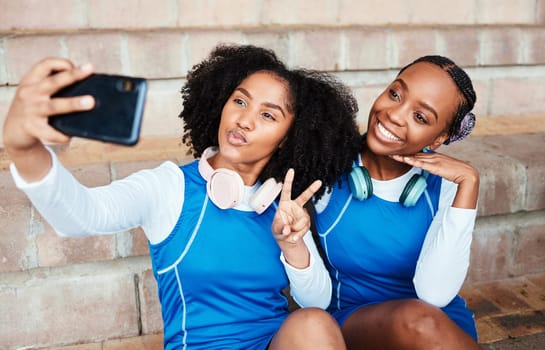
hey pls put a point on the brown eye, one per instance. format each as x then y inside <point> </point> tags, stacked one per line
<point>394,95</point>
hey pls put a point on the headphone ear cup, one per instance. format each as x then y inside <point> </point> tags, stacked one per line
<point>225,188</point>
<point>360,183</point>
<point>413,190</point>
<point>265,195</point>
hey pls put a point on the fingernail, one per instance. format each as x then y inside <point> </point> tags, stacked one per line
<point>86,101</point>
<point>295,238</point>
<point>86,67</point>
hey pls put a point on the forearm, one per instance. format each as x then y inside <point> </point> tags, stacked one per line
<point>32,163</point>
<point>444,259</point>
<point>309,286</point>
<point>467,193</point>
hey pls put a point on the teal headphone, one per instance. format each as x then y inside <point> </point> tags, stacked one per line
<point>361,185</point>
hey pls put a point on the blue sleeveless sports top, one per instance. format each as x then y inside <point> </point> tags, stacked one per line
<point>372,247</point>
<point>219,275</point>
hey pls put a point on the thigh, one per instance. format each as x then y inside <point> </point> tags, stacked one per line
<point>403,324</point>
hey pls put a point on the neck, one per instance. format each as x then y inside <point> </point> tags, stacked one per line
<point>382,167</point>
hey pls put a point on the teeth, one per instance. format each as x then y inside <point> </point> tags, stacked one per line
<point>387,134</point>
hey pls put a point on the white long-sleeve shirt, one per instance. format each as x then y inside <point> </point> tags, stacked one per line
<point>153,200</point>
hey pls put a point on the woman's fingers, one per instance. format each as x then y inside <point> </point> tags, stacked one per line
<point>45,68</point>
<point>285,195</point>
<point>61,79</point>
<point>308,193</point>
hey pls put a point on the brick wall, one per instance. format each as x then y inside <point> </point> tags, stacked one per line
<point>56,291</point>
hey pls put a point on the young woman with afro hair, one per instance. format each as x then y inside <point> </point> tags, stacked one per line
<point>225,236</point>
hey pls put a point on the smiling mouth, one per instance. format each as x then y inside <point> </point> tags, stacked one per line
<point>386,133</point>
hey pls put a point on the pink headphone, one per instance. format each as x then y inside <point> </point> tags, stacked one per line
<point>226,188</point>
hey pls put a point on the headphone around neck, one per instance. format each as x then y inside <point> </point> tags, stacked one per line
<point>226,188</point>
<point>361,185</point>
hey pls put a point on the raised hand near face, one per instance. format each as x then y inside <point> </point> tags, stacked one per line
<point>292,221</point>
<point>451,169</point>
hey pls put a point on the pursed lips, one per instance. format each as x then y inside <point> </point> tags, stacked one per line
<point>236,137</point>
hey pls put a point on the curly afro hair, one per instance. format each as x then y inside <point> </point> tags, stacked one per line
<point>321,143</point>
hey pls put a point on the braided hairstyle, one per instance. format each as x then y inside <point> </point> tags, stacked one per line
<point>323,139</point>
<point>464,120</point>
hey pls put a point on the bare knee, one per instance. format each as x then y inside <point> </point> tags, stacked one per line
<point>309,328</point>
<point>419,321</point>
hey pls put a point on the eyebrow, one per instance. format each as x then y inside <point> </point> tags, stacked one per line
<point>268,104</point>
<point>423,104</point>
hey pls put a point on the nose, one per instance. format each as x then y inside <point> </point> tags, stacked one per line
<point>245,119</point>
<point>398,114</point>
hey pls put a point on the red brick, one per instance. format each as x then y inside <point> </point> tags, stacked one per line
<point>16,246</point>
<point>526,151</point>
<point>54,250</point>
<point>35,14</point>
<point>147,342</point>
<point>104,53</point>
<point>497,194</point>
<point>139,242</point>
<point>536,38</point>
<point>156,54</point>
<point>521,11</point>
<point>503,294</point>
<point>489,332</point>
<point>276,40</point>
<point>500,46</point>
<point>528,256</point>
<point>490,249</point>
<point>201,42</point>
<point>442,12</point>
<point>150,307</point>
<point>92,174</point>
<point>92,346</point>
<point>366,48</point>
<point>373,12</point>
<point>163,105</point>
<point>366,96</point>
<point>22,52</point>
<point>517,96</point>
<point>323,12</point>
<point>68,308</point>
<point>124,169</point>
<point>522,324</point>
<point>460,44</point>
<point>317,49</point>
<point>409,44</point>
<point>220,13</point>
<point>131,14</point>
<point>538,280</point>
<point>540,13</point>
<point>478,302</point>
<point>481,88</point>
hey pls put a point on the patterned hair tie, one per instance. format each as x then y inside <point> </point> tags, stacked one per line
<point>464,128</point>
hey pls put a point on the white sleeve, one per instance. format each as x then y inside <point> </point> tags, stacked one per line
<point>73,209</point>
<point>444,259</point>
<point>311,286</point>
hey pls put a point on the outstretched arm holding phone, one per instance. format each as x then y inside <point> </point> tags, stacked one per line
<point>26,126</point>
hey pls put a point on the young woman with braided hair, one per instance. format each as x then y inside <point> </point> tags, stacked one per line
<point>396,234</point>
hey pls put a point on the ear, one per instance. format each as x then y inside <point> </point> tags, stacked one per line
<point>439,140</point>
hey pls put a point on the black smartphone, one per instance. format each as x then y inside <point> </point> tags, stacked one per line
<point>117,115</point>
